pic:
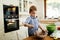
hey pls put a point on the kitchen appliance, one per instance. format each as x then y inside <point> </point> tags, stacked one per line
<point>11,18</point>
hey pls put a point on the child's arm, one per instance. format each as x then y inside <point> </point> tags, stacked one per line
<point>28,25</point>
<point>42,29</point>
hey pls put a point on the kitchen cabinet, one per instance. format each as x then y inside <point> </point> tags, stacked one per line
<point>11,36</point>
<point>16,35</point>
<point>22,33</point>
<point>24,5</point>
<point>1,35</point>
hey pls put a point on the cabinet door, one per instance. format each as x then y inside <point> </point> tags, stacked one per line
<point>1,35</point>
<point>23,5</point>
<point>11,36</point>
<point>22,33</point>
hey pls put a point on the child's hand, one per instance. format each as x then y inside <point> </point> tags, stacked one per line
<point>44,31</point>
<point>41,34</point>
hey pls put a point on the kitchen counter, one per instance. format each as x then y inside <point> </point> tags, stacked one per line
<point>36,38</point>
<point>49,21</point>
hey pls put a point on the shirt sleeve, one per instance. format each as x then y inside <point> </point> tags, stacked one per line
<point>28,20</point>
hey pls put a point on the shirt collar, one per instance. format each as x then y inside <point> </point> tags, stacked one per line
<point>32,17</point>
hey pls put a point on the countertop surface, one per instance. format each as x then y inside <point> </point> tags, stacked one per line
<point>36,38</point>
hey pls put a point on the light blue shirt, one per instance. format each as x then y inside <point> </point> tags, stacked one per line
<point>34,22</point>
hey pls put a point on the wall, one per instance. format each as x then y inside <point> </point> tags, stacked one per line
<point>1,21</point>
<point>40,8</point>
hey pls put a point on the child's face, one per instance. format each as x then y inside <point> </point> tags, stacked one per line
<point>33,13</point>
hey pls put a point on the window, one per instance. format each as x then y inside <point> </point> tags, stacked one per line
<point>52,8</point>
